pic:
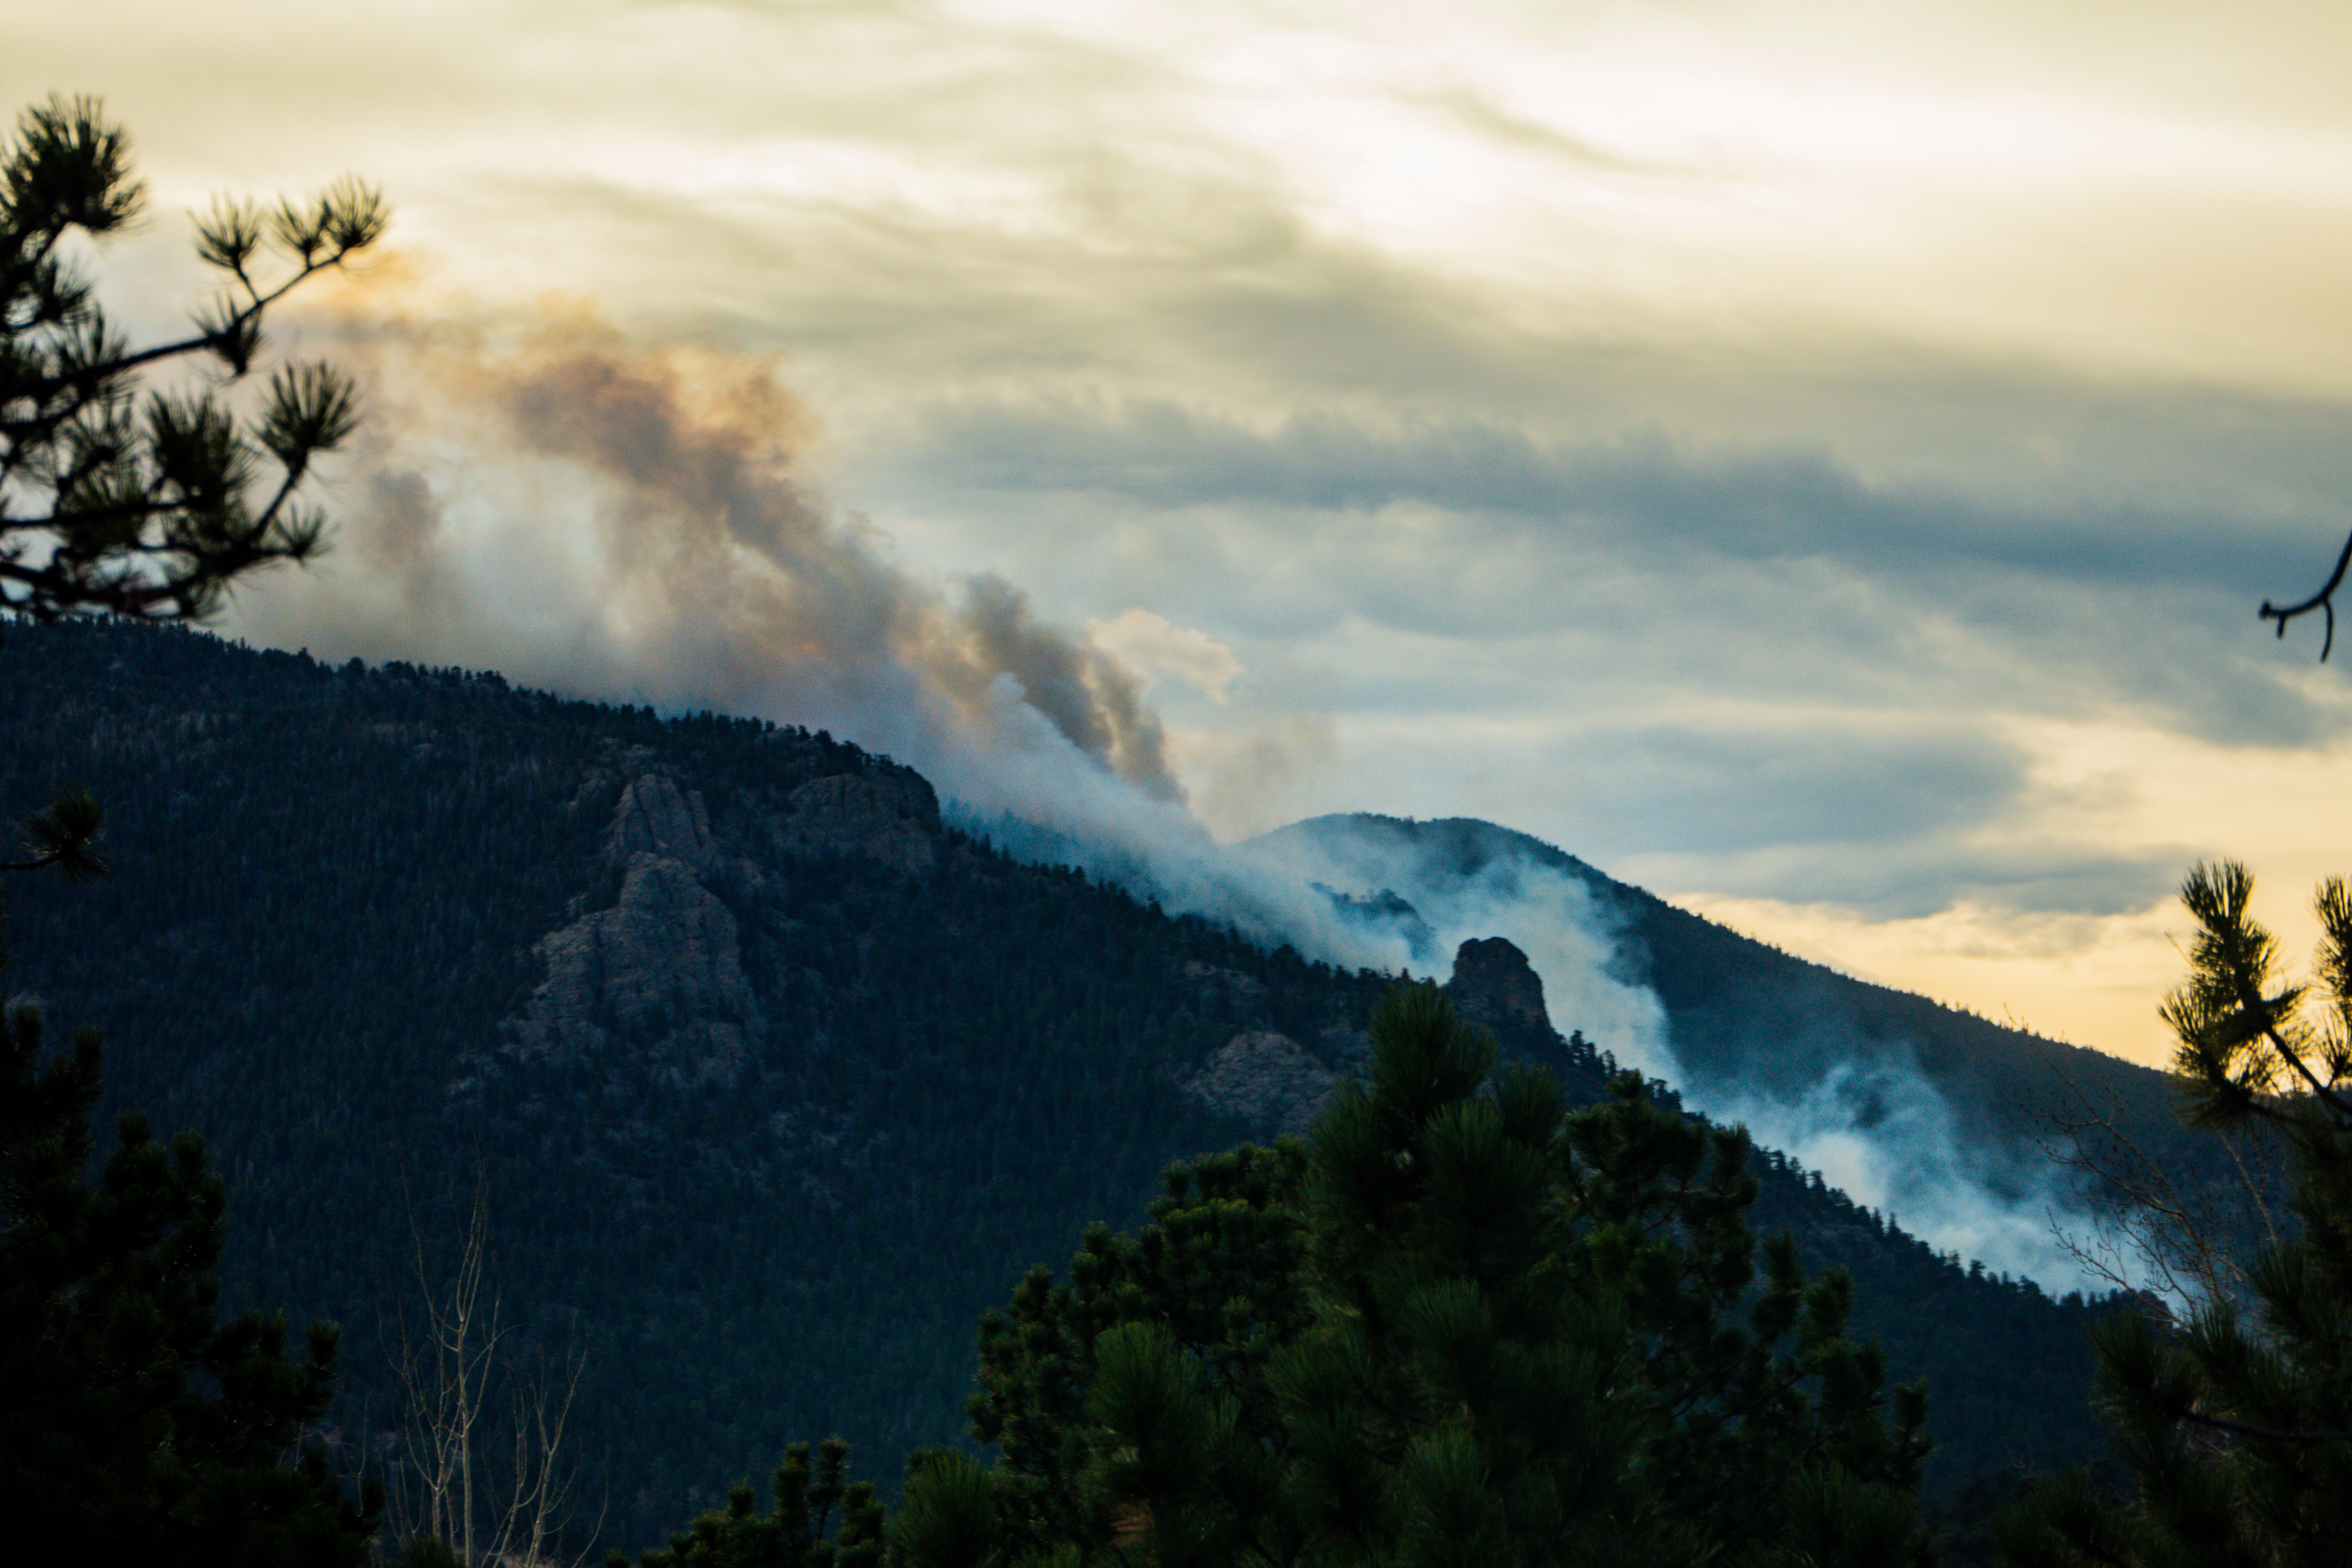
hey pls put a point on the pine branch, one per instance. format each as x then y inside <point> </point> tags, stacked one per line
<point>2261,1434</point>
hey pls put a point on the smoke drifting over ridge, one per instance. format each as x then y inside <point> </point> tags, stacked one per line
<point>600,517</point>
<point>544,497</point>
<point>547,499</point>
<point>1862,1113</point>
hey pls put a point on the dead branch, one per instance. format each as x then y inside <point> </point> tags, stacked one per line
<point>2151,1232</point>
<point>2324,600</point>
<point>458,1381</point>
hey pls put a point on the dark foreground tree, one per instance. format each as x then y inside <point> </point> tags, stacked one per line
<point>1466,1326</point>
<point>135,1427</point>
<point>149,507</point>
<point>801,1528</point>
<point>2236,1424</point>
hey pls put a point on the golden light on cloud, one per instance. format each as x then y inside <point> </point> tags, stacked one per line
<point>1973,178</point>
<point>2095,979</point>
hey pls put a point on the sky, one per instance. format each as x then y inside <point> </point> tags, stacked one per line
<point>1817,461</point>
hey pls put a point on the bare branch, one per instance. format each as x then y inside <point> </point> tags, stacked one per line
<point>2324,600</point>
<point>485,1440</point>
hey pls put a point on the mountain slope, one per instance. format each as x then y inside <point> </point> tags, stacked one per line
<point>772,1080</point>
<point>1751,1025</point>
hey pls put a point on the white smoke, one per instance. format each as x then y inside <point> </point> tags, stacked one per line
<point>1548,912</point>
<point>1882,1133</point>
<point>1874,1126</point>
<point>544,497</point>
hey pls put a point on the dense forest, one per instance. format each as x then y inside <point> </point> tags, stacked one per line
<point>773,1080</point>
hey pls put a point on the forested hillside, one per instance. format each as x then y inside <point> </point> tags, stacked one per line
<point>773,1081</point>
<point>1748,1019</point>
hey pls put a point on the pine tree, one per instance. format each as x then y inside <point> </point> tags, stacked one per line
<point>798,1532</point>
<point>2236,1423</point>
<point>1465,1326</point>
<point>134,1425</point>
<point>146,509</point>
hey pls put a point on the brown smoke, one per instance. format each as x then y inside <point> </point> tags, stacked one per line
<point>550,498</point>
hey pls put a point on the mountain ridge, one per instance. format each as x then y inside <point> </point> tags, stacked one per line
<point>1745,1013</point>
<point>775,1079</point>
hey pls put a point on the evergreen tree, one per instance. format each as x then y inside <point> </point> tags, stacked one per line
<point>1465,1326</point>
<point>2236,1424</point>
<point>798,1532</point>
<point>146,509</point>
<point>135,1425</point>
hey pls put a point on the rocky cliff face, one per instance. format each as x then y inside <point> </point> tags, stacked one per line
<point>660,971</point>
<point>1278,1086</point>
<point>891,818</point>
<point>1494,985</point>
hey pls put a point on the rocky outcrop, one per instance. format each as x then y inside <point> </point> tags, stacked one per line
<point>658,977</point>
<point>653,816</point>
<point>660,973</point>
<point>1226,992</point>
<point>1494,985</point>
<point>1265,1078</point>
<point>892,818</point>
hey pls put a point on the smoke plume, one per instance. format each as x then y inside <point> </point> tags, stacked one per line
<point>1864,1116</point>
<point>600,517</point>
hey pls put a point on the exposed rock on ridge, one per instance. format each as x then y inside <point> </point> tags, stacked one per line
<point>662,970</point>
<point>1494,985</point>
<point>660,973</point>
<point>653,816</point>
<point>890,817</point>
<point>1267,1078</point>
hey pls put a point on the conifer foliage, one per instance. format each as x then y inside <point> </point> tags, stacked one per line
<point>2236,1423</point>
<point>1465,1325</point>
<point>134,1425</point>
<point>801,1530</point>
<point>149,507</point>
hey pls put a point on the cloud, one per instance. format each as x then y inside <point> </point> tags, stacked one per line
<point>1822,785</point>
<point>1906,880</point>
<point>1654,553</point>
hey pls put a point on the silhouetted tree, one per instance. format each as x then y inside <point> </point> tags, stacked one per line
<point>134,1425</point>
<point>800,1529</point>
<point>148,507</point>
<point>1466,1326</point>
<point>2236,1423</point>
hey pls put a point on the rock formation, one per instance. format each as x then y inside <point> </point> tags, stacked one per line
<point>1494,985</point>
<point>891,817</point>
<point>1265,1078</point>
<point>661,972</point>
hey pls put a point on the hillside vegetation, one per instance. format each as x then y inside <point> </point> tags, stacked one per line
<point>774,1081</point>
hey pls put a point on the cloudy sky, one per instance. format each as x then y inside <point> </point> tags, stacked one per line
<point>1817,460</point>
